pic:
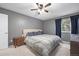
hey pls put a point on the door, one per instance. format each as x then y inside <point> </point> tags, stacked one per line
<point>3,31</point>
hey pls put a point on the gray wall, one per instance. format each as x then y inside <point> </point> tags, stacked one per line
<point>17,22</point>
<point>49,27</point>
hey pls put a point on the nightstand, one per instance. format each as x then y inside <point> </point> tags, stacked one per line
<point>74,48</point>
<point>74,45</point>
<point>18,41</point>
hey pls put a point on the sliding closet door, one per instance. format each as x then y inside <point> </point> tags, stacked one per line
<point>3,31</point>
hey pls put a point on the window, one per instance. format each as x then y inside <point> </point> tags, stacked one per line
<point>66,25</point>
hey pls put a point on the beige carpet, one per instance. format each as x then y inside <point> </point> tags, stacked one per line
<point>19,51</point>
<point>61,50</point>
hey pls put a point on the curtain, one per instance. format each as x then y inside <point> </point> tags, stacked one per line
<point>74,24</point>
<point>58,27</point>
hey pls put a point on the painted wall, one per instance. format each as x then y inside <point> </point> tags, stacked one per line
<point>49,27</point>
<point>18,22</point>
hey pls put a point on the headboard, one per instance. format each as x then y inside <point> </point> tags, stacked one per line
<point>25,31</point>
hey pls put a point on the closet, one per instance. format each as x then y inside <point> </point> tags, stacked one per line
<point>3,31</point>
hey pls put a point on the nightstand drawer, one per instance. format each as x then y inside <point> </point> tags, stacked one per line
<point>74,48</point>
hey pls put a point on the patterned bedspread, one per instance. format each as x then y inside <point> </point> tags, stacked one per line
<point>43,44</point>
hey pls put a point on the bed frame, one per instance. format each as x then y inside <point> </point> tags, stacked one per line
<point>25,31</point>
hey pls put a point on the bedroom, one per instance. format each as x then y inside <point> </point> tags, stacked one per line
<point>54,21</point>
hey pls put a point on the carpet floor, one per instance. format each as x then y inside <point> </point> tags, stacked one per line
<point>62,50</point>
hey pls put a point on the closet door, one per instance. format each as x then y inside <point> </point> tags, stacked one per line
<point>3,31</point>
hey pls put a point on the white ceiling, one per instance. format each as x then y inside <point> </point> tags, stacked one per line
<point>55,10</point>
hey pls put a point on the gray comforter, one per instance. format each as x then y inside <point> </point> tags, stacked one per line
<point>43,44</point>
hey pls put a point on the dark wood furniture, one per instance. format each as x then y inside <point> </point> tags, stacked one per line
<point>74,51</point>
<point>18,41</point>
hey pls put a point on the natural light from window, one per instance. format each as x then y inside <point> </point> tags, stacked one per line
<point>66,25</point>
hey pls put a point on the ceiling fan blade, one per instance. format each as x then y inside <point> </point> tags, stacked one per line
<point>47,4</point>
<point>33,9</point>
<point>46,11</point>
<point>37,4</point>
<point>41,6</point>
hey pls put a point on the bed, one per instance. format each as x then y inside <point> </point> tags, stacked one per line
<point>40,42</point>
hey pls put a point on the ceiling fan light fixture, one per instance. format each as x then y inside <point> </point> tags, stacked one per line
<point>41,7</point>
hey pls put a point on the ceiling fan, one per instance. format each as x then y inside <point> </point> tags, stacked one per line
<point>41,7</point>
